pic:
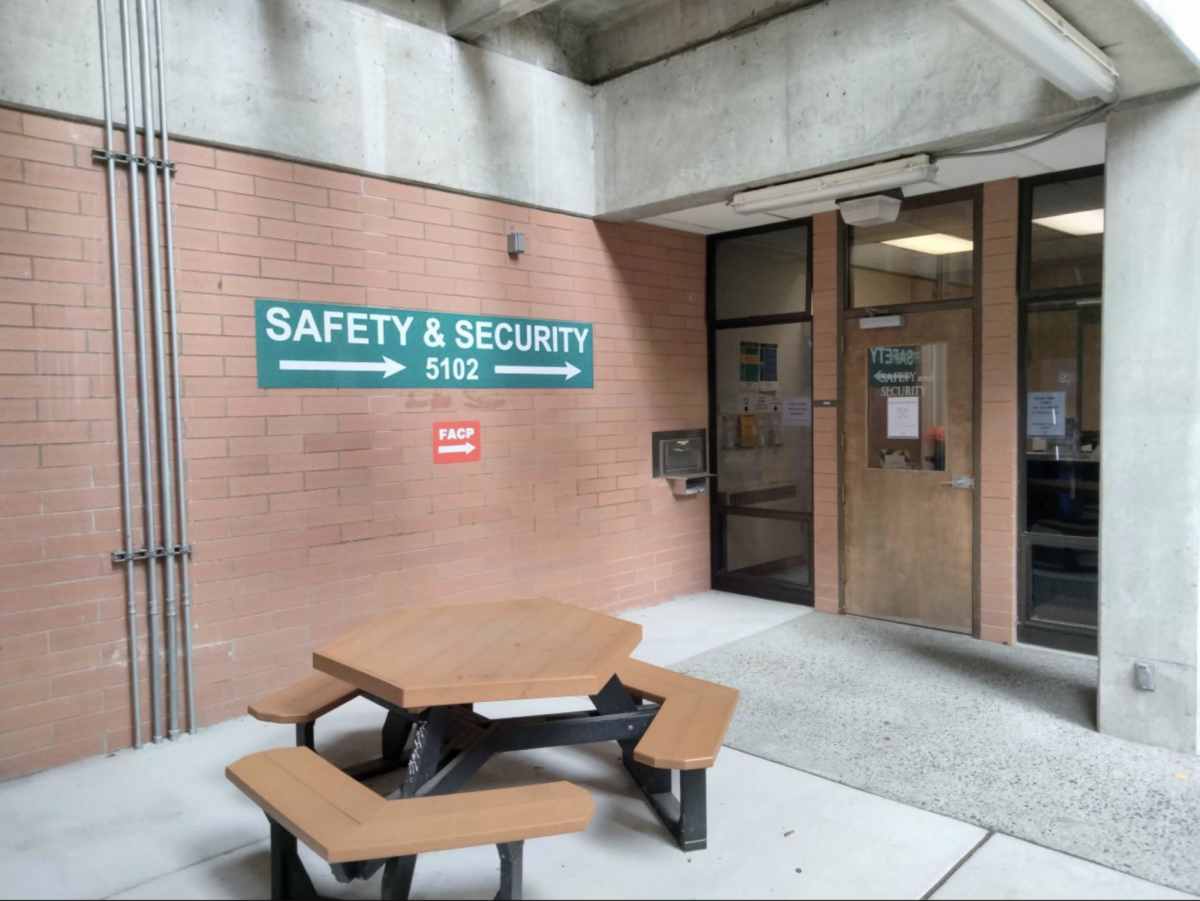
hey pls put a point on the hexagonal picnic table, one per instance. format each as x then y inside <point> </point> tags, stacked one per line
<point>429,666</point>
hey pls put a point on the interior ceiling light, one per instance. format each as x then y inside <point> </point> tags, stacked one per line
<point>935,244</point>
<point>1033,31</point>
<point>1086,222</point>
<point>879,177</point>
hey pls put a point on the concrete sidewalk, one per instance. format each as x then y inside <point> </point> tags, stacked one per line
<point>164,823</point>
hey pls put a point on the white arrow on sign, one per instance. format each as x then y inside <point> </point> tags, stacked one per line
<point>568,370</point>
<point>457,448</point>
<point>388,367</point>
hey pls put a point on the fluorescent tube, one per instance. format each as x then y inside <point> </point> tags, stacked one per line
<point>1033,31</point>
<point>935,244</point>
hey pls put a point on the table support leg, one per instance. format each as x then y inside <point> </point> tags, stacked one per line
<point>289,879</point>
<point>396,730</point>
<point>685,817</point>
<point>426,751</point>
<point>512,871</point>
<point>398,878</point>
<point>693,810</point>
<point>469,761</point>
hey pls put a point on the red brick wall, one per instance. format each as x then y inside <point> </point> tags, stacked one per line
<point>998,455</point>
<point>826,453</point>
<point>313,511</point>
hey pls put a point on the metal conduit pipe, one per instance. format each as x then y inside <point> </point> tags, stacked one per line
<point>143,384</point>
<point>176,393</point>
<point>167,504</point>
<point>122,409</point>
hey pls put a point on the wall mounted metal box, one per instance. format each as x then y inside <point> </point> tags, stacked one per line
<point>681,457</point>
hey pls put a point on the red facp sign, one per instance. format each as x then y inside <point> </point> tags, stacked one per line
<point>456,442</point>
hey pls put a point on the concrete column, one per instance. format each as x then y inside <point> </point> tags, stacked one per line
<point>1150,446</point>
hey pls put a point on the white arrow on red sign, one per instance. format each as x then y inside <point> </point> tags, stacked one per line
<point>457,448</point>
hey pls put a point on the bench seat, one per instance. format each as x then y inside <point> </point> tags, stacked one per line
<point>690,727</point>
<point>343,821</point>
<point>305,701</point>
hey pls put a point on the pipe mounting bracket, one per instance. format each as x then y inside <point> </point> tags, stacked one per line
<point>101,155</point>
<point>175,550</point>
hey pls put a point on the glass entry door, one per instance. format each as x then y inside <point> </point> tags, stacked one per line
<point>761,431</point>
<point>764,456</point>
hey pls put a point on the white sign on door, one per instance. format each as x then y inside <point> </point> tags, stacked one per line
<point>1047,414</point>
<point>904,417</point>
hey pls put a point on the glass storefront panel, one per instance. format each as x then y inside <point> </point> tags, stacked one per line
<point>761,371</point>
<point>1066,235</point>
<point>765,274</point>
<point>764,416</point>
<point>1063,586</point>
<point>1062,422</point>
<point>769,548</point>
<point>927,254</point>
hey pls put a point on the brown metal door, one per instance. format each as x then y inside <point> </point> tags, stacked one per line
<point>908,470</point>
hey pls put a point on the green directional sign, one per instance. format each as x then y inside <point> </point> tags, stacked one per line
<point>317,345</point>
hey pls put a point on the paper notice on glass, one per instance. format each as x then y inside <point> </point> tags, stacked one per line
<point>797,411</point>
<point>766,403</point>
<point>1047,414</point>
<point>904,417</point>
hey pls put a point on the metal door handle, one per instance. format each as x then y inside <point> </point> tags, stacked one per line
<point>961,482</point>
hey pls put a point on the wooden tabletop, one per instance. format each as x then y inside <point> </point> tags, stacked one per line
<point>465,654</point>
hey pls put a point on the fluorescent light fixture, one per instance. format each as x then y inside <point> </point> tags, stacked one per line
<point>1085,222</point>
<point>879,177</point>
<point>935,244</point>
<point>1033,31</point>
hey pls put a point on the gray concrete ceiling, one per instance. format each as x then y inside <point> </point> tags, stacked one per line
<point>591,14</point>
<point>597,40</point>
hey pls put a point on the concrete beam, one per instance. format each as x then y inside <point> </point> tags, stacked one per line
<point>658,29</point>
<point>328,82</point>
<point>837,85</point>
<point>1150,514</point>
<point>469,20</point>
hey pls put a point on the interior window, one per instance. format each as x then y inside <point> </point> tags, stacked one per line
<point>927,254</point>
<point>1066,235</point>
<point>1062,421</point>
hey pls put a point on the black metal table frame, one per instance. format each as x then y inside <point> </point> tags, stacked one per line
<point>451,744</point>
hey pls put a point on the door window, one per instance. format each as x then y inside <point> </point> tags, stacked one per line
<point>906,407</point>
